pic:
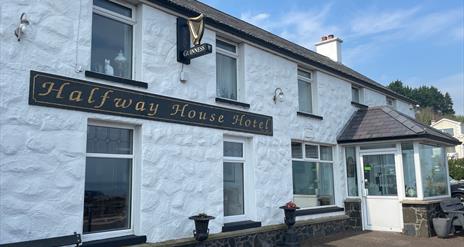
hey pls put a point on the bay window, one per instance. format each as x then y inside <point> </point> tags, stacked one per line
<point>108,179</point>
<point>312,172</point>
<point>226,70</point>
<point>112,38</point>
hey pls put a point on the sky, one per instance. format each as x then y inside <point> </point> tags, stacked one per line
<point>418,42</point>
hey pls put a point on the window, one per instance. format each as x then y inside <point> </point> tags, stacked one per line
<point>112,38</point>
<point>409,169</point>
<point>351,171</point>
<point>305,91</point>
<point>108,179</point>
<point>312,168</point>
<point>391,102</point>
<point>226,70</point>
<point>433,170</point>
<point>234,163</point>
<point>449,131</point>
<point>356,94</point>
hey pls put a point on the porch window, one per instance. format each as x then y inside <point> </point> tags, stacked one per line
<point>312,168</point>
<point>351,164</point>
<point>409,169</point>
<point>433,170</point>
<point>108,179</point>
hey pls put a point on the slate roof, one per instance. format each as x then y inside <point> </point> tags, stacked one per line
<point>247,31</point>
<point>384,123</point>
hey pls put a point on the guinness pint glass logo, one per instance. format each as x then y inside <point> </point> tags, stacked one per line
<point>196,27</point>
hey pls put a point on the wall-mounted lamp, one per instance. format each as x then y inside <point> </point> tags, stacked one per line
<point>278,95</point>
<point>23,23</point>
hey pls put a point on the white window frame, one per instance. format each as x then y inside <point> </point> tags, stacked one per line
<point>313,84</point>
<point>360,94</point>
<point>356,152</point>
<point>235,55</point>
<point>393,100</point>
<point>121,18</point>
<point>318,161</point>
<point>135,187</point>
<point>248,181</point>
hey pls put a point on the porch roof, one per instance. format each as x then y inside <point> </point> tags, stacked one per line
<point>384,123</point>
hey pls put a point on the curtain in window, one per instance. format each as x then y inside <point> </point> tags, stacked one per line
<point>304,96</point>
<point>226,76</point>
<point>326,190</point>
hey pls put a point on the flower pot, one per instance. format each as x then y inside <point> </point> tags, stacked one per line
<point>290,214</point>
<point>201,231</point>
<point>442,226</point>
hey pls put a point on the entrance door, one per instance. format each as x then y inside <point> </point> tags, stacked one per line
<point>382,210</point>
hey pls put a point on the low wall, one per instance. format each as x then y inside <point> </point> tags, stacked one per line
<point>267,235</point>
<point>417,217</point>
<point>353,210</point>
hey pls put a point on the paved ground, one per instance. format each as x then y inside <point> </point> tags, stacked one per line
<point>384,239</point>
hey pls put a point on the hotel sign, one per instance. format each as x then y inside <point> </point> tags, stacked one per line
<point>72,94</point>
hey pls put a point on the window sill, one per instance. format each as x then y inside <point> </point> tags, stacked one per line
<point>359,105</point>
<point>309,115</point>
<point>240,225</point>
<point>311,211</point>
<point>232,102</point>
<point>115,79</point>
<point>118,241</point>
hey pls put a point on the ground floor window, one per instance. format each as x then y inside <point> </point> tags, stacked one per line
<point>433,170</point>
<point>409,169</point>
<point>312,170</point>
<point>108,179</point>
<point>234,163</point>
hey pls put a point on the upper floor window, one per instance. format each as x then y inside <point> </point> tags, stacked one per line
<point>305,91</point>
<point>112,38</point>
<point>312,169</point>
<point>356,94</point>
<point>449,131</point>
<point>226,70</point>
<point>391,102</point>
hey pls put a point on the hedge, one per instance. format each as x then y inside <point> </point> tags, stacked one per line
<point>456,168</point>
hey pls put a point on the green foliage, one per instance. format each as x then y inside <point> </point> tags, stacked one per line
<point>426,96</point>
<point>456,168</point>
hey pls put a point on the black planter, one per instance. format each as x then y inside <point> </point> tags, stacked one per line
<point>201,231</point>
<point>290,237</point>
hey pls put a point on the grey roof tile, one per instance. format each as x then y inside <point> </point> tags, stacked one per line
<point>385,123</point>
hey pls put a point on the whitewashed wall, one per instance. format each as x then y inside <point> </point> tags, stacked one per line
<point>42,150</point>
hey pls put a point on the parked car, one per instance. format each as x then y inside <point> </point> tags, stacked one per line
<point>457,189</point>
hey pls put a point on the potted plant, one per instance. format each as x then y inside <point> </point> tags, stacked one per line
<point>290,213</point>
<point>201,231</point>
<point>290,236</point>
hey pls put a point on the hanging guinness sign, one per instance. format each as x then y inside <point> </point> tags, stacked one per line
<point>191,28</point>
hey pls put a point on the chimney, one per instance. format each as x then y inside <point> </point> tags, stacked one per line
<point>330,46</point>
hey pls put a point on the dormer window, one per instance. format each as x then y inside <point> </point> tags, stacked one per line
<point>391,102</point>
<point>357,95</point>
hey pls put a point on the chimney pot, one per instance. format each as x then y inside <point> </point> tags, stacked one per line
<point>330,36</point>
<point>324,38</point>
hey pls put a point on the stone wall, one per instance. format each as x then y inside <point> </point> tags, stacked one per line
<point>353,210</point>
<point>417,218</point>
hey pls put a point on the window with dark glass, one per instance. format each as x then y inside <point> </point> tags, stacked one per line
<point>108,179</point>
<point>355,95</point>
<point>112,37</point>
<point>312,172</point>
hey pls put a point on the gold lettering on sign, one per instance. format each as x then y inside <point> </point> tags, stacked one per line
<point>153,109</point>
<point>50,89</point>
<point>221,118</point>
<point>90,100</point>
<point>104,97</point>
<point>75,96</point>
<point>212,118</point>
<point>177,109</point>
<point>122,103</point>
<point>140,106</point>
<point>202,115</point>
<point>191,114</point>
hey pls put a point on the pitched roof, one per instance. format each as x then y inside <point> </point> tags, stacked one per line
<point>253,34</point>
<point>384,123</point>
